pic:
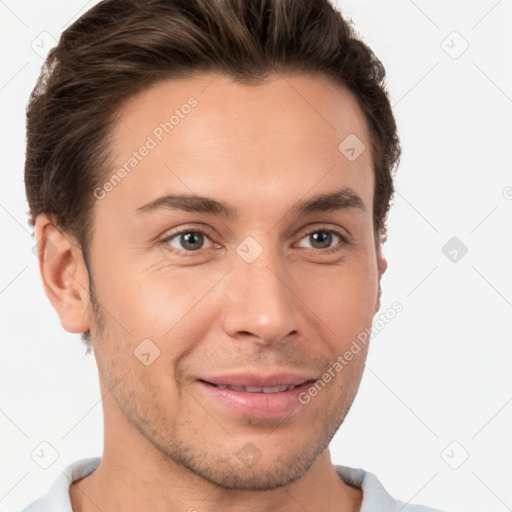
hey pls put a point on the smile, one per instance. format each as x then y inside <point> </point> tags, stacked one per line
<point>253,395</point>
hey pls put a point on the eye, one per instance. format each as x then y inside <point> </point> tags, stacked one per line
<point>187,240</point>
<point>191,240</point>
<point>322,240</point>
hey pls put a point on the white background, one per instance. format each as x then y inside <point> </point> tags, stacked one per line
<point>438,373</point>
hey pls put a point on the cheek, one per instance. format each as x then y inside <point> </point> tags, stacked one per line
<point>343,296</point>
<point>146,302</point>
<point>157,311</point>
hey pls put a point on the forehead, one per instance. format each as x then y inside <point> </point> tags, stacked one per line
<point>211,136</point>
<point>313,103</point>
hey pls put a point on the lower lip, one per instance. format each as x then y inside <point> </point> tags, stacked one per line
<point>257,405</point>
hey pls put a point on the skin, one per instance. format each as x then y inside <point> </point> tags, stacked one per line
<point>261,148</point>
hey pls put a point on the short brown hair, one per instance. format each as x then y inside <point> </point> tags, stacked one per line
<point>120,47</point>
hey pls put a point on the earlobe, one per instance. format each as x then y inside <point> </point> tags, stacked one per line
<point>383,265</point>
<point>64,274</point>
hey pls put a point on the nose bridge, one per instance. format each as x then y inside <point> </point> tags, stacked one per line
<point>260,301</point>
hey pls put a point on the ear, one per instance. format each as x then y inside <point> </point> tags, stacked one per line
<point>64,274</point>
<point>382,265</point>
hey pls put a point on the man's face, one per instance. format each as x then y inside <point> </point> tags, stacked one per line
<point>269,297</point>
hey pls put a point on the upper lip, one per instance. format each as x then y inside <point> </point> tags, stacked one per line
<point>259,380</point>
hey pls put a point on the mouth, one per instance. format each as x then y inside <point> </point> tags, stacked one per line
<point>256,396</point>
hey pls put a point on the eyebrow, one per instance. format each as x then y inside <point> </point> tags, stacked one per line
<point>342,199</point>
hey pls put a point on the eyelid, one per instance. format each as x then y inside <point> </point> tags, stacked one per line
<point>325,227</point>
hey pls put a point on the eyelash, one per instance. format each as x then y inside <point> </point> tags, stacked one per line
<point>343,240</point>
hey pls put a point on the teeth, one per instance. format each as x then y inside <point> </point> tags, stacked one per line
<point>256,389</point>
<point>251,389</point>
<point>275,389</point>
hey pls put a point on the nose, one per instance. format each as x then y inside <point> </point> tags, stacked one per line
<point>260,304</point>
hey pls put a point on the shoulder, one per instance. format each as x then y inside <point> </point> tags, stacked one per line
<point>375,496</point>
<point>57,497</point>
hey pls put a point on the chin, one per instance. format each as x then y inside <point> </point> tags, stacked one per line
<point>258,478</point>
<point>251,469</point>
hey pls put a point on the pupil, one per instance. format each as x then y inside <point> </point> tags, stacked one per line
<point>188,240</point>
<point>323,236</point>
